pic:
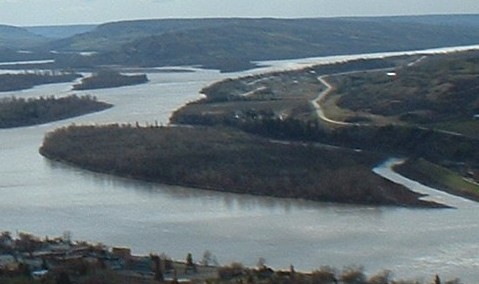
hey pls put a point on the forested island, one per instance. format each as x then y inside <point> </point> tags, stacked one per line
<point>109,79</point>
<point>16,112</point>
<point>27,80</point>
<point>227,160</point>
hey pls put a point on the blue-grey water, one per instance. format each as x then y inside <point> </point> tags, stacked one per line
<point>48,198</point>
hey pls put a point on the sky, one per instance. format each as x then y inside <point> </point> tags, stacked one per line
<point>60,12</point>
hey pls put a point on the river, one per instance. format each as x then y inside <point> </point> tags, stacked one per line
<point>48,198</point>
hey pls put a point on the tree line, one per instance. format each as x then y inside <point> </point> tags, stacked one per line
<point>435,146</point>
<point>27,80</point>
<point>16,112</point>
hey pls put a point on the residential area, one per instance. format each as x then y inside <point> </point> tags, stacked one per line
<point>61,260</point>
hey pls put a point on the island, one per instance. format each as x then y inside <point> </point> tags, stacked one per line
<point>228,160</point>
<point>17,112</point>
<point>27,80</point>
<point>109,79</point>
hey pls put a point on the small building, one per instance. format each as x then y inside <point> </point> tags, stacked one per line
<point>39,274</point>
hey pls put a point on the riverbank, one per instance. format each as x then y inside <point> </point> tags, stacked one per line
<point>440,178</point>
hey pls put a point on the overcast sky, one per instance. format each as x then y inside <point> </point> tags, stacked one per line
<point>55,12</point>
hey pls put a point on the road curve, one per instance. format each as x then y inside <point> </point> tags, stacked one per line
<point>316,102</point>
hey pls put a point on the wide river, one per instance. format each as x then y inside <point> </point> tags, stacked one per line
<point>48,198</point>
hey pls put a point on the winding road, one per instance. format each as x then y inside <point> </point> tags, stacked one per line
<point>316,102</point>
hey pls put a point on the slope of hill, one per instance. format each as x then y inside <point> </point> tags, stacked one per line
<point>439,91</point>
<point>111,35</point>
<point>18,38</point>
<point>470,20</point>
<point>59,32</point>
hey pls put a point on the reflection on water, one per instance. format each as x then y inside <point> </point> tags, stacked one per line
<point>47,198</point>
<point>230,200</point>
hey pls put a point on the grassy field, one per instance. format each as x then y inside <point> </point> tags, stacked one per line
<point>468,127</point>
<point>335,112</point>
<point>435,175</point>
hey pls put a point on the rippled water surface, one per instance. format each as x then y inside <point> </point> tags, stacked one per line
<point>48,198</point>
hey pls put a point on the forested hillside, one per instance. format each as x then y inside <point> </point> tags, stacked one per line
<point>231,44</point>
<point>439,91</point>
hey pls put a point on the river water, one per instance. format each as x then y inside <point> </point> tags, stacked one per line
<point>48,198</point>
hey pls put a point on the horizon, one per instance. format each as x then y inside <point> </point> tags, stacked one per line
<point>219,17</point>
<point>94,12</point>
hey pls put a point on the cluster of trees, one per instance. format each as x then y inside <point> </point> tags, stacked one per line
<point>27,80</point>
<point>16,112</point>
<point>400,140</point>
<point>110,79</point>
<point>412,141</point>
<point>227,160</point>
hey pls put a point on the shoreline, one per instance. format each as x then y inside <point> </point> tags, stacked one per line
<point>388,170</point>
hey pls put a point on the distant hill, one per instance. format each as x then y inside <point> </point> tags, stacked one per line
<point>59,32</point>
<point>110,35</point>
<point>18,38</point>
<point>470,20</point>
<point>230,44</point>
<point>379,29</point>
